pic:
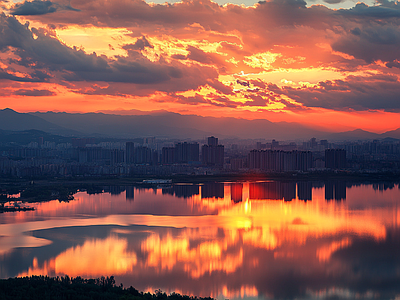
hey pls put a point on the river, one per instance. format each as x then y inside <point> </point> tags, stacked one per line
<point>241,240</point>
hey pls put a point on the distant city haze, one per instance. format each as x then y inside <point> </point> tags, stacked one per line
<point>166,144</point>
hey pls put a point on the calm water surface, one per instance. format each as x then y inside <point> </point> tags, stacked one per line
<point>267,240</point>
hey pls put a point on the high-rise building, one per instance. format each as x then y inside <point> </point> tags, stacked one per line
<point>212,154</point>
<point>116,156</point>
<point>280,161</point>
<point>186,152</point>
<point>335,158</point>
<point>182,153</point>
<point>168,155</point>
<point>130,152</point>
<point>212,141</point>
<point>145,155</point>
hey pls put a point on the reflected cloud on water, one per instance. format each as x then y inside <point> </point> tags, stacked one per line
<point>282,240</point>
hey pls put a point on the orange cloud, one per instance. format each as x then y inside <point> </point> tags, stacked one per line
<point>278,59</point>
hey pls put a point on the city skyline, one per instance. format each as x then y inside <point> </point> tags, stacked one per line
<point>326,65</point>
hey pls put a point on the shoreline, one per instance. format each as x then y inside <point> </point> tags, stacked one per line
<point>63,189</point>
<point>134,180</point>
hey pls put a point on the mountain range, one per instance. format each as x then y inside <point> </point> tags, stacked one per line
<point>170,125</point>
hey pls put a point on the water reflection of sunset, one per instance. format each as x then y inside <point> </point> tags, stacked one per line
<point>94,258</point>
<point>237,239</point>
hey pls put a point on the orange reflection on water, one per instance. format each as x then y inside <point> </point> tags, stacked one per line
<point>165,252</point>
<point>272,223</point>
<point>235,237</point>
<point>95,257</point>
<point>324,252</point>
<point>243,291</point>
<point>219,239</point>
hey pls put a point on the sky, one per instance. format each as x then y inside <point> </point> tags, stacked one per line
<point>330,64</point>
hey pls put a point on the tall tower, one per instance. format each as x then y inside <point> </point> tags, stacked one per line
<point>213,154</point>
<point>130,152</point>
<point>212,141</point>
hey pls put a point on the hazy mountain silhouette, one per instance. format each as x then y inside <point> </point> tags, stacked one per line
<point>15,121</point>
<point>167,124</point>
<point>357,134</point>
<point>121,126</point>
<point>171,125</point>
<point>392,133</point>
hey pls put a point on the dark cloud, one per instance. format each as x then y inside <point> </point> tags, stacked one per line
<point>370,34</point>
<point>258,83</point>
<point>354,93</point>
<point>356,31</point>
<point>37,7</point>
<point>293,3</point>
<point>380,42</point>
<point>384,11</point>
<point>256,100</point>
<point>193,100</point>
<point>220,87</point>
<point>34,92</point>
<point>45,54</point>
<point>28,78</point>
<point>223,101</point>
<point>34,8</point>
<point>393,64</point>
<point>179,56</point>
<point>215,100</point>
<point>209,15</point>
<point>140,44</point>
<point>201,56</point>
<point>244,83</point>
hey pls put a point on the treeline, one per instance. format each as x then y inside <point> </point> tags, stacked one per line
<point>66,288</point>
<point>35,193</point>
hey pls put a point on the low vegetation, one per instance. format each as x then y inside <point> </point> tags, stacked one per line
<point>66,288</point>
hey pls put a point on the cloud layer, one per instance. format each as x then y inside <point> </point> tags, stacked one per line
<point>278,55</point>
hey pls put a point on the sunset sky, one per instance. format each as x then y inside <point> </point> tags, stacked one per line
<point>332,64</point>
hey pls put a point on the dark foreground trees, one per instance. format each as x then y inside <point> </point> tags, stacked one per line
<point>65,288</point>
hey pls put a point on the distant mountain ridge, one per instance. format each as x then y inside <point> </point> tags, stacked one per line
<point>164,124</point>
<point>167,124</point>
<point>357,134</point>
<point>392,134</point>
<point>15,121</point>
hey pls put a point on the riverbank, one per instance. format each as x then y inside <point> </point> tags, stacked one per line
<point>63,189</point>
<point>133,180</point>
